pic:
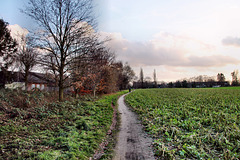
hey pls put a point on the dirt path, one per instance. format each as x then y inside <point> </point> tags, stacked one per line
<point>133,143</point>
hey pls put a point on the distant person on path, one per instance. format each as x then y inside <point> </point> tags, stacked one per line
<point>129,89</point>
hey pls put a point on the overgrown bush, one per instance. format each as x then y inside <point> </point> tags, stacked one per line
<point>34,126</point>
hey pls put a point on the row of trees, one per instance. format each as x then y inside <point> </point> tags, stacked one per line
<point>68,48</point>
<point>206,81</point>
<point>193,82</point>
<point>145,82</point>
<point>188,84</point>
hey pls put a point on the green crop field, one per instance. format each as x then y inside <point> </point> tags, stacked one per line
<point>190,123</point>
<point>228,88</point>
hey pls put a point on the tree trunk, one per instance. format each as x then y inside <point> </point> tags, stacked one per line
<point>60,85</point>
<point>94,93</point>
<point>26,79</point>
<point>94,90</point>
<point>60,92</point>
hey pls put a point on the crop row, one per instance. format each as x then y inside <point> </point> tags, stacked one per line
<point>190,123</point>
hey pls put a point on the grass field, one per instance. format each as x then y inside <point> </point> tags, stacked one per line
<point>191,123</point>
<point>227,88</point>
<point>33,128</point>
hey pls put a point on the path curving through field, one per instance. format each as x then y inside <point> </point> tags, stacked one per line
<point>132,143</point>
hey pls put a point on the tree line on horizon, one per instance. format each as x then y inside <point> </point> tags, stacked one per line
<point>66,47</point>
<point>200,81</point>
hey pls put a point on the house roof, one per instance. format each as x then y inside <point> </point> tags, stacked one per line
<point>33,77</point>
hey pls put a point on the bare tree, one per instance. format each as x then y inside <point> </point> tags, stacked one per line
<point>128,75</point>
<point>235,78</point>
<point>26,57</point>
<point>155,78</point>
<point>141,77</point>
<point>220,77</point>
<point>89,68</point>
<point>100,59</point>
<point>63,33</point>
<point>111,77</point>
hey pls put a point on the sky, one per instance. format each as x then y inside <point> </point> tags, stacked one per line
<point>178,38</point>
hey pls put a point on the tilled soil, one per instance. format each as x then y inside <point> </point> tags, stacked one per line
<point>133,143</point>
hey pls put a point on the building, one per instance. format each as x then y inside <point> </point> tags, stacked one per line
<point>14,80</point>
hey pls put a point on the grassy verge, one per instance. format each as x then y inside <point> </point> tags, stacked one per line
<point>108,144</point>
<point>191,123</point>
<point>33,127</point>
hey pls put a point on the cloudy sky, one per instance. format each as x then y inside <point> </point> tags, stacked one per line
<point>180,39</point>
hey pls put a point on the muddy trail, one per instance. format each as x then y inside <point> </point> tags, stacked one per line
<point>132,143</point>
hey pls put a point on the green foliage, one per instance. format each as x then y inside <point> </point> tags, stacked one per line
<point>191,123</point>
<point>53,130</point>
<point>7,44</point>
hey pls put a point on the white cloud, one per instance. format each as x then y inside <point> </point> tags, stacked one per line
<point>168,50</point>
<point>17,32</point>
